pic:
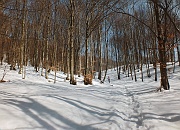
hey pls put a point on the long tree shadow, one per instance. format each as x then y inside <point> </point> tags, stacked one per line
<point>107,96</point>
<point>169,117</point>
<point>98,112</point>
<point>30,107</point>
<point>43,113</point>
<point>38,84</point>
<point>88,108</point>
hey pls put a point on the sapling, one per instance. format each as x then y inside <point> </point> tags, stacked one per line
<point>4,74</point>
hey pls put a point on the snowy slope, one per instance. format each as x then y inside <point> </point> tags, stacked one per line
<point>35,103</point>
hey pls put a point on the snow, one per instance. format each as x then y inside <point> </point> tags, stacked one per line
<point>36,103</point>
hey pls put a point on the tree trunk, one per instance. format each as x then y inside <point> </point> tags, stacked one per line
<point>71,42</point>
<point>22,53</point>
<point>99,54</point>
<point>47,43</point>
<point>161,47</point>
<point>178,50</point>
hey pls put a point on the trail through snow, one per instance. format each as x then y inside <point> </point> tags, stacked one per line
<point>38,104</point>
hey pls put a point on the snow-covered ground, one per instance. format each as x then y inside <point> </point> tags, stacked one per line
<point>35,103</point>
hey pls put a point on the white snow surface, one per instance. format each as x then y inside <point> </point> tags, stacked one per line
<point>36,103</point>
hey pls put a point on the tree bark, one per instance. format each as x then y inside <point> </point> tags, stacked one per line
<point>71,41</point>
<point>161,47</point>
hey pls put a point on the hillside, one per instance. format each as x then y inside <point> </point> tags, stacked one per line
<point>35,103</point>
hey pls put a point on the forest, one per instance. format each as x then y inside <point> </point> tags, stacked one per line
<point>82,37</point>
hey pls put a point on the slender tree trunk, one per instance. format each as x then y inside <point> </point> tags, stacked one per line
<point>106,50</point>
<point>86,71</point>
<point>147,63</point>
<point>2,51</point>
<point>22,53</point>
<point>142,69</point>
<point>155,59</point>
<point>72,33</point>
<point>178,50</point>
<point>99,54</point>
<point>134,68</point>
<point>131,65</point>
<point>68,57</point>
<point>47,43</point>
